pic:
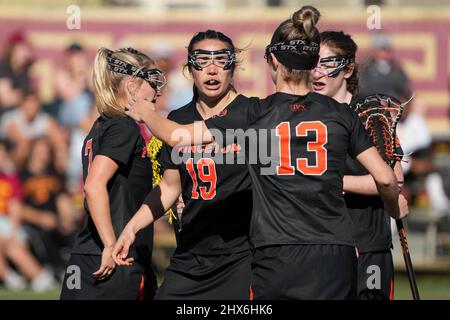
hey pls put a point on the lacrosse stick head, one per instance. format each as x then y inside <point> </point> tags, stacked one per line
<point>380,114</point>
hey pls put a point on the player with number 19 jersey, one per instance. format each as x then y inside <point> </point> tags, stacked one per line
<point>212,259</point>
<point>217,196</point>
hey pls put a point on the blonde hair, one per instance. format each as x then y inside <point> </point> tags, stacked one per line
<point>108,88</point>
<point>302,26</point>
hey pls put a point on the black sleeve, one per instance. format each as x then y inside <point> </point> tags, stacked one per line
<point>119,140</point>
<point>237,116</point>
<point>165,158</point>
<point>359,139</point>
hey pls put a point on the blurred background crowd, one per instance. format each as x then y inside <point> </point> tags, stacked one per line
<point>43,123</point>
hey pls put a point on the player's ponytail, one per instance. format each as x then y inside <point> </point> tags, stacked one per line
<point>108,85</point>
<point>104,88</point>
<point>305,20</point>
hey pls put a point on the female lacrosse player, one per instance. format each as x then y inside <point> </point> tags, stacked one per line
<point>213,258</point>
<point>336,76</point>
<point>299,226</point>
<point>116,176</point>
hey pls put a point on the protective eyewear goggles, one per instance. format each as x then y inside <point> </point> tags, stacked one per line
<point>331,66</point>
<point>200,59</point>
<point>154,77</point>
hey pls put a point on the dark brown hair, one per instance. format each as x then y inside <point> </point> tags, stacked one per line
<point>343,45</point>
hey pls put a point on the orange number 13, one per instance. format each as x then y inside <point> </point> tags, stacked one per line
<point>283,131</point>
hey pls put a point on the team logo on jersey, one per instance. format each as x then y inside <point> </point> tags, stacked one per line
<point>297,107</point>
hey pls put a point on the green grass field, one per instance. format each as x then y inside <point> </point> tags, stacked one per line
<point>431,287</point>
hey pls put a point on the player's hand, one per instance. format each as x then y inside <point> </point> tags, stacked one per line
<point>138,107</point>
<point>180,205</point>
<point>122,247</point>
<point>403,205</point>
<point>108,265</point>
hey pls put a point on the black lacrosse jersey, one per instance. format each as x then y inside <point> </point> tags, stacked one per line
<point>120,140</point>
<point>297,175</point>
<point>371,223</point>
<point>217,196</point>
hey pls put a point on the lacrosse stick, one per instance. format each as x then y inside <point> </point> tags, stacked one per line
<point>380,114</point>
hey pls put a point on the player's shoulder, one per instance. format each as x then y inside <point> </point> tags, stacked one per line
<point>325,101</point>
<point>242,102</point>
<point>243,99</point>
<point>276,99</point>
<point>184,113</point>
<point>117,124</point>
<point>123,122</point>
<point>356,99</point>
<point>343,109</point>
<point>269,99</point>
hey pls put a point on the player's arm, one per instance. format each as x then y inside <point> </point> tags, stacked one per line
<point>157,202</point>
<point>365,184</point>
<point>384,178</point>
<point>167,130</point>
<point>95,188</point>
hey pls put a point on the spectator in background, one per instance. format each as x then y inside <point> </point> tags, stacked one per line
<point>14,71</point>
<point>12,236</point>
<point>382,73</point>
<point>74,102</point>
<point>72,83</point>
<point>48,215</point>
<point>27,122</point>
<point>421,176</point>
